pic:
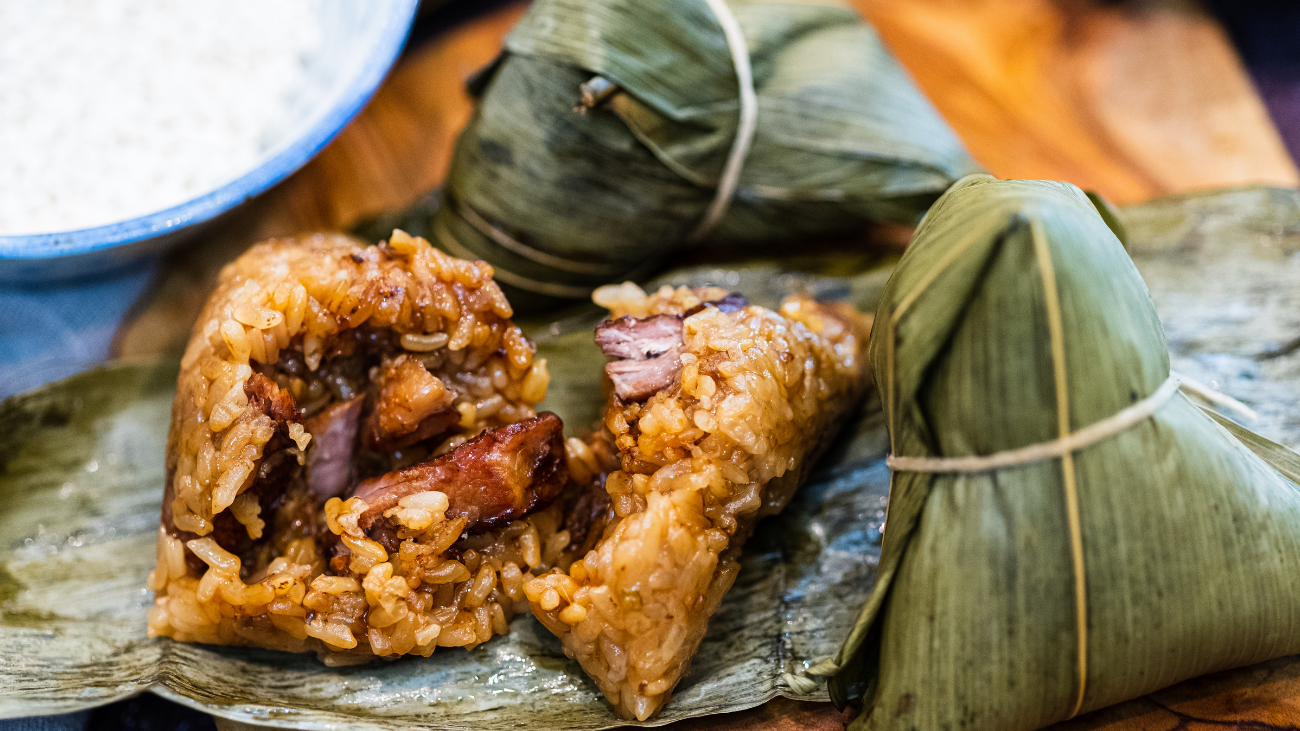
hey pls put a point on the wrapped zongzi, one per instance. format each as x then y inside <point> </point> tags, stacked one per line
<point>1065,529</point>
<point>719,408</point>
<point>611,133</point>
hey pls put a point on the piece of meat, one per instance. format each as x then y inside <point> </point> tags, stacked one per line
<point>647,353</point>
<point>333,441</point>
<point>639,338</point>
<point>265,396</point>
<point>586,519</point>
<point>413,405</point>
<point>638,380</point>
<point>732,302</point>
<point>498,476</point>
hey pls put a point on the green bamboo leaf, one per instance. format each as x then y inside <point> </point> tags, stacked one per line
<point>562,200</point>
<point>1190,540</point>
<point>1279,457</point>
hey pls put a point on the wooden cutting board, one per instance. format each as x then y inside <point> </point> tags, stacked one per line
<point>1131,102</point>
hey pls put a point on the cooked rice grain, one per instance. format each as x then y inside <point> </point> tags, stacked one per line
<point>294,310</point>
<point>760,393</point>
<point>434,591</point>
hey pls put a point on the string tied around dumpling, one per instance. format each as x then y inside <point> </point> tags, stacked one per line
<point>745,127</point>
<point>1075,440</point>
<point>1054,449</point>
<point>811,679</point>
<point>1067,442</point>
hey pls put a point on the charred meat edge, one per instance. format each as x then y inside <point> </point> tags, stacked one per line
<point>412,405</point>
<point>499,476</point>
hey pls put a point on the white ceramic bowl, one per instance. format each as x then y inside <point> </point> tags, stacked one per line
<point>362,41</point>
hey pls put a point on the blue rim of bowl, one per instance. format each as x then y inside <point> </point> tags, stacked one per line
<point>271,171</point>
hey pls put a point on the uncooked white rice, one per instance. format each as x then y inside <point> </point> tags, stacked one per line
<point>112,109</point>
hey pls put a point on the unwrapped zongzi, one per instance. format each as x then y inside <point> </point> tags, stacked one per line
<point>719,410</point>
<point>1065,529</point>
<point>354,465</point>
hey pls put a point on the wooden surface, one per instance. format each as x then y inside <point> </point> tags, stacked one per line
<point>1130,103</point>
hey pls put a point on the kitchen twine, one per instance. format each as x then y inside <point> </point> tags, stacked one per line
<point>744,130</point>
<point>722,197</point>
<point>807,682</point>
<point>1062,448</point>
<point>1074,441</point>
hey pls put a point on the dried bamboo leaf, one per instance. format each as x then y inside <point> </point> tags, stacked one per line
<point>1222,269</point>
<point>1190,541</point>
<point>79,545</point>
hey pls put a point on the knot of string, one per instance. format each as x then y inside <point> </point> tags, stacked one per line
<point>1054,449</point>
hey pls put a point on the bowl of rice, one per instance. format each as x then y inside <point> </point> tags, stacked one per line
<point>124,124</point>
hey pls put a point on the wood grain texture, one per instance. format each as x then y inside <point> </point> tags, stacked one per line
<point>1264,697</point>
<point>400,146</point>
<point>1133,102</point>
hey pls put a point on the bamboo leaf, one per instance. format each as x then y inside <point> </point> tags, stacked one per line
<point>1279,457</point>
<point>983,616</point>
<point>562,200</point>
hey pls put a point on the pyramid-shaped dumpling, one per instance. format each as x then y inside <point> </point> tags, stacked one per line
<point>1014,593</point>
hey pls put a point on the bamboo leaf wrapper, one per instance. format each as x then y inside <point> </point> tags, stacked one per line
<point>562,200</point>
<point>1014,319</point>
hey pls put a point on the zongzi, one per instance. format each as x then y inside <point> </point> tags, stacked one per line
<point>719,409</point>
<point>355,465</point>
<point>612,133</point>
<point>1065,529</point>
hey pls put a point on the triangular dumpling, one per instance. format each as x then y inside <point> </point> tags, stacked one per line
<point>1015,316</point>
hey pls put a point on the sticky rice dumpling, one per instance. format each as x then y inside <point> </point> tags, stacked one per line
<point>718,410</point>
<point>611,133</point>
<point>1065,529</point>
<point>355,465</point>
